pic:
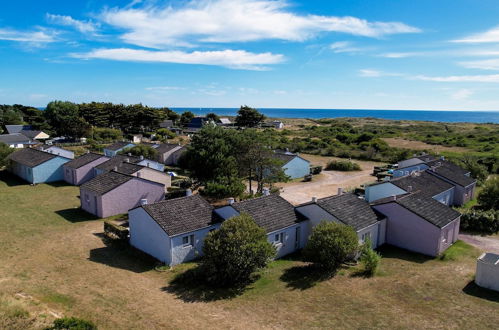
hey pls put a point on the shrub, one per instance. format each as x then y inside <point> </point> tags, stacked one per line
<point>369,259</point>
<point>106,134</point>
<point>481,221</point>
<point>164,134</point>
<point>72,323</point>
<point>221,188</point>
<point>235,251</point>
<point>5,150</point>
<point>342,165</point>
<point>316,170</point>
<point>331,244</point>
<point>489,196</point>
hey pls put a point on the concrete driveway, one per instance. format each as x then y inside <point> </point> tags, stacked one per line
<point>484,243</point>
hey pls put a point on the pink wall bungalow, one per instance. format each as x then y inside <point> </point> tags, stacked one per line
<point>80,170</point>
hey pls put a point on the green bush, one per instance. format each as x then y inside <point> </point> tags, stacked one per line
<point>342,165</point>
<point>481,221</point>
<point>489,196</point>
<point>331,244</point>
<point>72,323</point>
<point>235,251</point>
<point>164,134</point>
<point>106,134</point>
<point>221,188</point>
<point>369,259</point>
<point>5,150</point>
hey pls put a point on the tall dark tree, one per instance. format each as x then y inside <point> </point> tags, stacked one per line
<point>186,117</point>
<point>65,119</point>
<point>213,117</point>
<point>249,117</point>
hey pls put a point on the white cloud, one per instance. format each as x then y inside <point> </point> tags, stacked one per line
<point>82,26</point>
<point>31,37</point>
<point>234,21</point>
<point>370,73</point>
<point>462,94</point>
<point>400,55</point>
<point>494,78</point>
<point>490,64</point>
<point>235,59</point>
<point>345,47</point>
<point>165,88</point>
<point>491,35</point>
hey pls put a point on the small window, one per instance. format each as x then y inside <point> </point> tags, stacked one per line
<point>366,236</point>
<point>279,238</point>
<point>188,240</point>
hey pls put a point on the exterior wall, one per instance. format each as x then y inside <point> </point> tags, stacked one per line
<point>60,152</point>
<point>78,176</point>
<point>171,157</point>
<point>469,193</point>
<point>146,235</point>
<point>446,197</point>
<point>409,231</point>
<point>91,202</point>
<point>152,164</point>
<point>487,271</point>
<point>379,191</point>
<point>406,171</point>
<point>112,153</point>
<point>22,171</point>
<point>448,235</point>
<point>294,238</point>
<point>155,176</point>
<point>297,168</point>
<point>373,232</point>
<point>177,154</point>
<point>181,253</point>
<point>50,171</point>
<point>461,194</point>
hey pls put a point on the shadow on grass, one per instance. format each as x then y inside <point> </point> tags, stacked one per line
<point>11,180</point>
<point>305,277</point>
<point>392,252</point>
<point>119,254</point>
<point>76,215</point>
<point>58,184</point>
<point>190,287</point>
<point>474,290</point>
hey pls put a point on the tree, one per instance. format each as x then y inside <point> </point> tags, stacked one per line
<point>369,258</point>
<point>477,171</point>
<point>213,117</point>
<point>9,116</point>
<point>488,199</point>
<point>141,150</point>
<point>164,134</point>
<point>235,251</point>
<point>5,150</point>
<point>186,117</point>
<point>64,117</point>
<point>72,323</point>
<point>331,244</point>
<point>248,117</point>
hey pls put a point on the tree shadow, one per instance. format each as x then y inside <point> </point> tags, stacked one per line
<point>190,286</point>
<point>11,180</point>
<point>305,277</point>
<point>119,254</point>
<point>58,184</point>
<point>392,252</point>
<point>76,214</point>
<point>474,290</point>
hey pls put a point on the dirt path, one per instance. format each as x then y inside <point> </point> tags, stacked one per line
<point>484,243</point>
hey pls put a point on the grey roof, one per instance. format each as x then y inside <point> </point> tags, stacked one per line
<point>166,123</point>
<point>285,158</point>
<point>410,162</point>
<point>115,162</point>
<point>225,120</point>
<point>84,160</point>
<point>129,168</point>
<point>106,182</point>
<point>450,172</point>
<point>429,209</point>
<point>165,147</point>
<point>270,212</point>
<point>117,146</point>
<point>30,133</point>
<point>349,209</point>
<point>14,138</point>
<point>426,158</point>
<point>31,157</point>
<point>182,215</point>
<point>422,182</point>
<point>16,128</point>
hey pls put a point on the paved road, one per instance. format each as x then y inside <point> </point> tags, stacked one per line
<point>484,243</point>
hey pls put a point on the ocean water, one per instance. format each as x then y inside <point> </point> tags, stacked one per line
<point>425,115</point>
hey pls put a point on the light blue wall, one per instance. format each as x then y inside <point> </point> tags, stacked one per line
<point>152,164</point>
<point>290,243</point>
<point>297,168</point>
<point>382,190</point>
<point>446,197</point>
<point>112,153</point>
<point>60,152</point>
<point>406,171</point>
<point>50,171</point>
<point>181,253</point>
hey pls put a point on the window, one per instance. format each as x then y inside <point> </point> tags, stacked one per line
<point>87,198</point>
<point>188,240</point>
<point>366,236</point>
<point>279,238</point>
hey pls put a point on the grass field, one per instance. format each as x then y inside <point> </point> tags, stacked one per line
<point>54,262</point>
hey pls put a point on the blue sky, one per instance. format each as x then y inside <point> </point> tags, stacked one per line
<point>378,54</point>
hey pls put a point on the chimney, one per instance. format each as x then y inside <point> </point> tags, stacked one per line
<point>340,191</point>
<point>266,192</point>
<point>442,158</point>
<point>139,175</point>
<point>409,188</point>
<point>115,169</point>
<point>143,201</point>
<point>314,200</point>
<point>394,197</point>
<point>230,200</point>
<point>127,160</point>
<point>141,157</point>
<point>129,154</point>
<point>188,192</point>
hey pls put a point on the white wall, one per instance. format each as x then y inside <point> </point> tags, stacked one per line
<point>487,271</point>
<point>181,253</point>
<point>290,243</point>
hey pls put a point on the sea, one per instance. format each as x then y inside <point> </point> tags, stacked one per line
<point>423,115</point>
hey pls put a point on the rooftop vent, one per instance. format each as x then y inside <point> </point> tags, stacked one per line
<point>340,191</point>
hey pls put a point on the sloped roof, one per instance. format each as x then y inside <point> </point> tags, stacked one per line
<point>429,209</point>
<point>16,128</point>
<point>165,147</point>
<point>423,182</point>
<point>117,146</point>
<point>14,138</point>
<point>83,160</point>
<point>182,215</point>
<point>115,162</point>
<point>31,157</point>
<point>129,168</point>
<point>30,133</point>
<point>451,172</point>
<point>270,212</point>
<point>349,209</point>
<point>106,182</point>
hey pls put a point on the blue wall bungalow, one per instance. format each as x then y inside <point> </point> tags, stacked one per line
<point>113,149</point>
<point>35,166</point>
<point>293,165</point>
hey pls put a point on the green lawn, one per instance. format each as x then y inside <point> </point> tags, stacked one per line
<point>55,262</point>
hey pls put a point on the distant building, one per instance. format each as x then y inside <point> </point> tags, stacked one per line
<point>113,149</point>
<point>487,271</point>
<point>35,166</point>
<point>169,154</point>
<point>58,151</point>
<point>81,169</point>
<point>16,140</point>
<point>224,121</point>
<point>166,124</point>
<point>113,163</point>
<point>293,166</point>
<point>145,172</point>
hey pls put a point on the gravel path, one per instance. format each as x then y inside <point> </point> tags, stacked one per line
<point>484,243</point>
